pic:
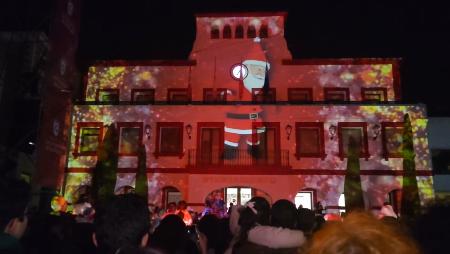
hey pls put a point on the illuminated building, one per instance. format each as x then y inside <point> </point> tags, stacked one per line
<point>242,118</point>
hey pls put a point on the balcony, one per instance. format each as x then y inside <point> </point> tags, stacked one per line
<point>238,159</point>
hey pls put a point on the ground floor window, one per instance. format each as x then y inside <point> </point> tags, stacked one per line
<point>238,195</point>
<point>170,195</point>
<point>304,199</point>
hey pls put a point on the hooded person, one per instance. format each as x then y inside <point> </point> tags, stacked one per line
<point>240,122</point>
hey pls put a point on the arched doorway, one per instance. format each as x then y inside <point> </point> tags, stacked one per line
<point>170,194</point>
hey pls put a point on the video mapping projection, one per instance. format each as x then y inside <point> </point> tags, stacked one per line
<point>228,93</point>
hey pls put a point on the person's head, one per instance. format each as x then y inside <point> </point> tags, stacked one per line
<point>121,221</point>
<point>14,198</point>
<point>306,220</point>
<point>125,190</point>
<point>360,233</point>
<point>208,225</point>
<point>182,205</point>
<point>171,234</point>
<point>284,214</point>
<point>256,211</point>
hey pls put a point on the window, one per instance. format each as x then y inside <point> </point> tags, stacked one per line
<point>143,95</point>
<point>88,138</point>
<point>210,143</point>
<point>336,94</point>
<point>170,195</point>
<point>226,32</point>
<point>265,143</point>
<point>215,32</point>
<point>263,31</point>
<point>309,140</point>
<point>357,131</point>
<point>239,33</point>
<point>130,138</point>
<point>394,198</point>
<point>305,199</point>
<point>178,95</point>
<point>209,96</point>
<point>374,94</point>
<point>238,195</point>
<point>299,94</point>
<point>261,95</point>
<point>251,31</point>
<point>169,139</point>
<point>392,139</point>
<point>107,95</point>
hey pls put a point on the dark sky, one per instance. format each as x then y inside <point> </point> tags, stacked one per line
<point>414,30</point>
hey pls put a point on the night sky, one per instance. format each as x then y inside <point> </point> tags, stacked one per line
<point>414,30</point>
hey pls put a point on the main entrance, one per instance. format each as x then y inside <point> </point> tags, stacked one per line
<point>235,195</point>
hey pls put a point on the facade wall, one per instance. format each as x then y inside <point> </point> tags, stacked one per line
<point>270,66</point>
<point>278,183</point>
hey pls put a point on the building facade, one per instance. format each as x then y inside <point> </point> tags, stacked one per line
<point>242,118</point>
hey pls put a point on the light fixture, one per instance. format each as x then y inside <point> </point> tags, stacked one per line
<point>376,129</point>
<point>288,130</point>
<point>148,131</point>
<point>332,131</point>
<point>188,130</point>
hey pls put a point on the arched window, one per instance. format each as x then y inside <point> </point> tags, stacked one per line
<point>263,31</point>
<point>251,31</point>
<point>215,32</point>
<point>239,33</point>
<point>226,32</point>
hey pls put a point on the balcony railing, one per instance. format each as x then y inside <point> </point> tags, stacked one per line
<point>238,158</point>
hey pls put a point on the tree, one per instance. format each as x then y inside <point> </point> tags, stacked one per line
<point>410,205</point>
<point>352,186</point>
<point>141,176</point>
<point>105,171</point>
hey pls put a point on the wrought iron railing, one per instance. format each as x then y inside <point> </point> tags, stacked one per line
<point>237,158</point>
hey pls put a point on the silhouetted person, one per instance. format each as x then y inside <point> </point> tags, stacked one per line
<point>14,198</point>
<point>121,222</point>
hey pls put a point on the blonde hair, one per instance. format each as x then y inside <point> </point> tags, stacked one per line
<point>360,233</point>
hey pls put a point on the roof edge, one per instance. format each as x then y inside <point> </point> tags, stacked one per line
<point>325,61</point>
<point>241,14</point>
<point>121,62</point>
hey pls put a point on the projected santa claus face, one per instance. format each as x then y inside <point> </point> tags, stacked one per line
<point>256,74</point>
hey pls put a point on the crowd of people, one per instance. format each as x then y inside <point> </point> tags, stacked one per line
<point>124,224</point>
